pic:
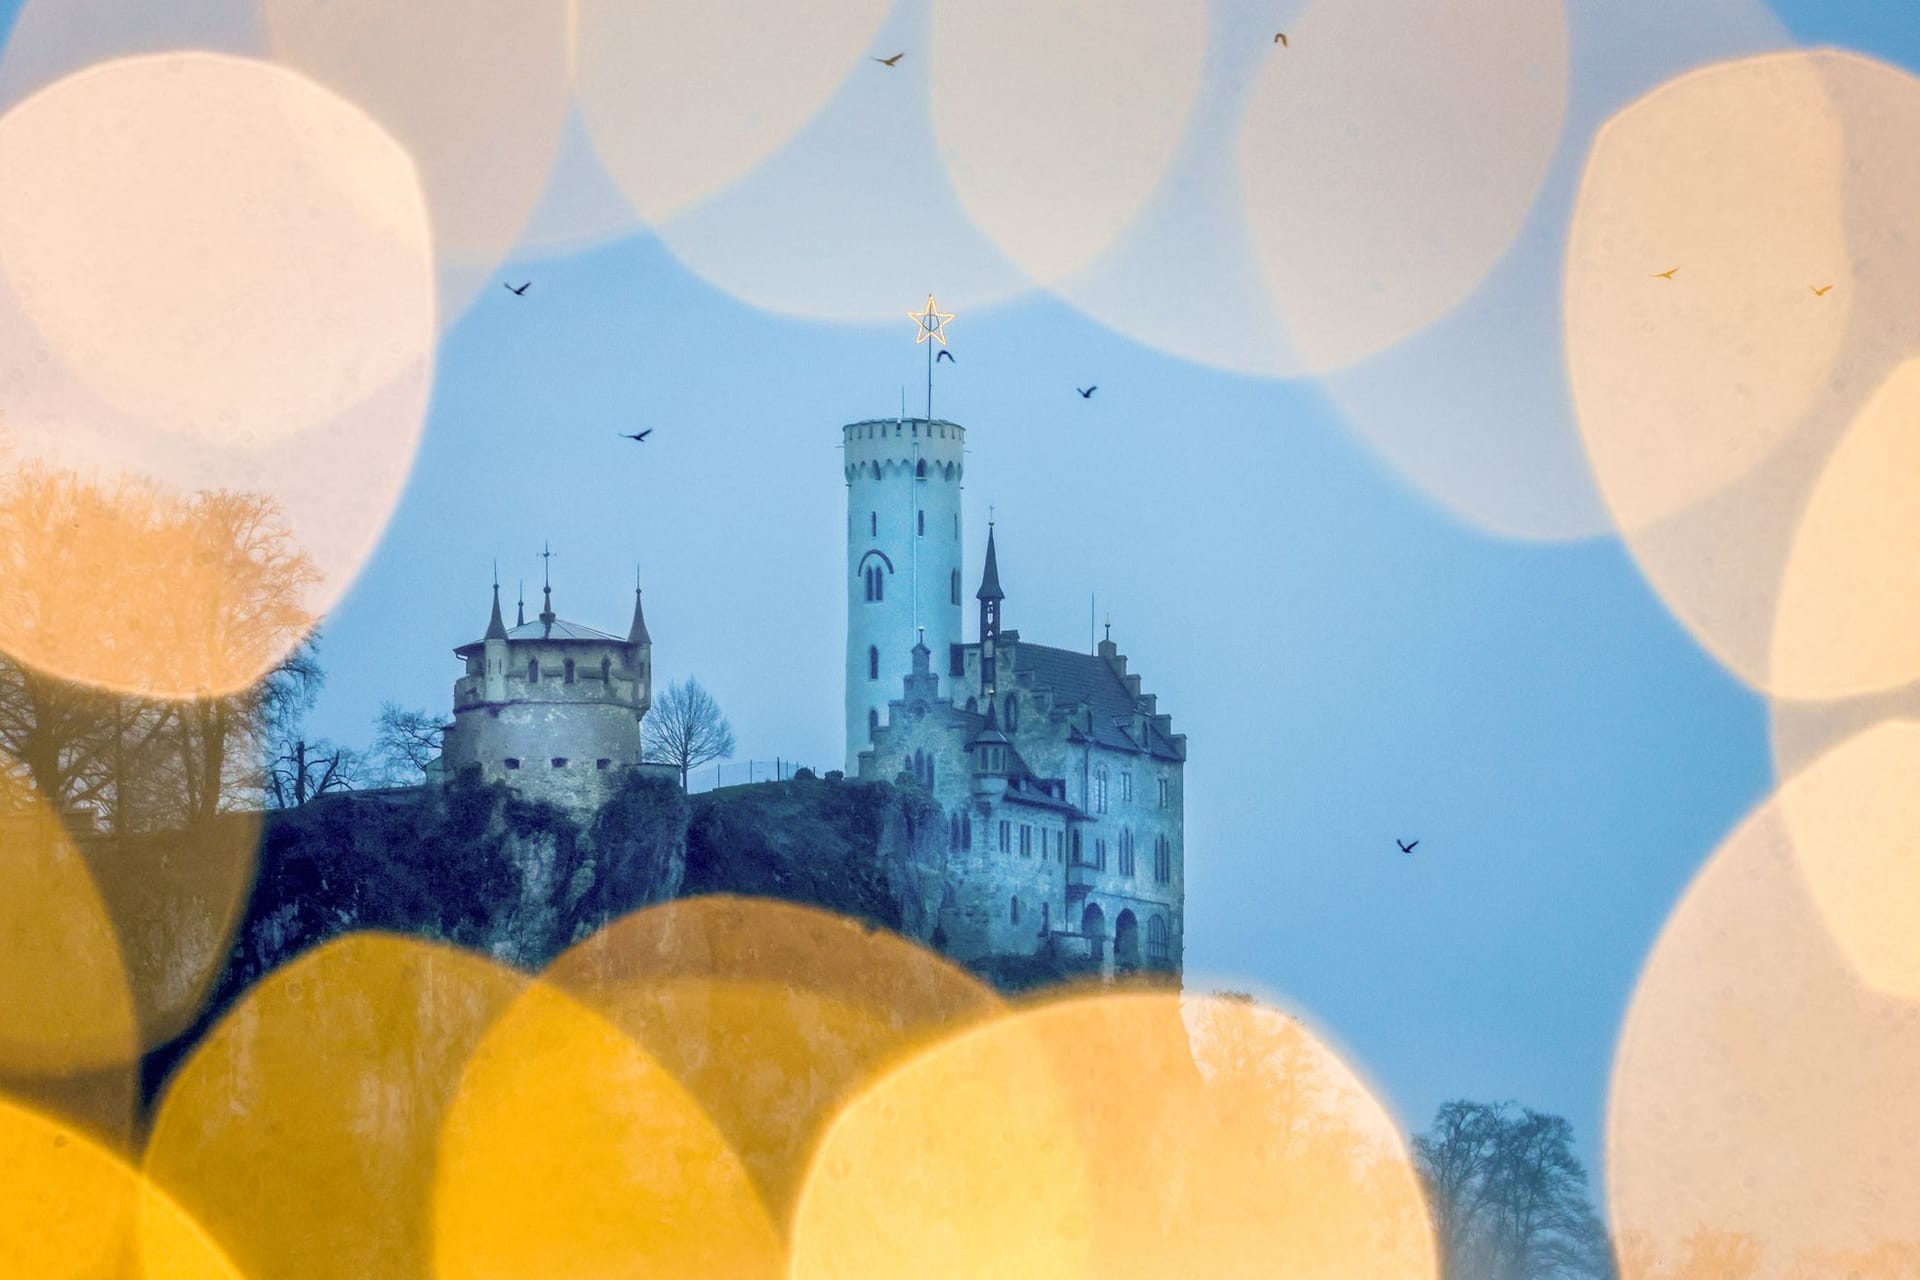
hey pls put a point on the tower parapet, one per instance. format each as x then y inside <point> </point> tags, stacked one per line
<point>904,552</point>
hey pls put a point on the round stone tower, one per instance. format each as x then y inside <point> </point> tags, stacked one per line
<point>903,558</point>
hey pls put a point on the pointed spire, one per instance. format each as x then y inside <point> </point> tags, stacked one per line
<point>521,621</point>
<point>990,578</point>
<point>637,633</point>
<point>496,629</point>
<point>546,560</point>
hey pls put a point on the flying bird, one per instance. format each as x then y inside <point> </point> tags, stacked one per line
<point>1821,292</point>
<point>1280,38</point>
<point>1086,393</point>
<point>516,290</point>
<point>945,355</point>
<point>1665,275</point>
<point>887,62</point>
<point>641,436</point>
<point>1404,846</point>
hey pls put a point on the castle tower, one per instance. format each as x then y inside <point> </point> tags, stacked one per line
<point>903,557</point>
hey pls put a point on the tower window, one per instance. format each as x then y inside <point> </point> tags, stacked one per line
<point>920,469</point>
<point>533,671</point>
<point>953,589</point>
<point>873,662</point>
<point>1026,840</point>
<point>922,523</point>
<point>603,764</point>
<point>559,762</point>
<point>1013,911</point>
<point>1166,790</point>
<point>1006,836</point>
<point>1126,784</point>
<point>1162,860</point>
<point>569,671</point>
<point>1100,789</point>
<point>873,523</point>
<point>966,830</point>
<point>873,722</point>
<point>606,670</point>
<point>512,762</point>
<point>1013,713</point>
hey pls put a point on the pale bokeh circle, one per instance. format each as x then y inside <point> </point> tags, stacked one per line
<point>476,90</point>
<point>681,100</point>
<point>1122,1135</point>
<point>571,1154</point>
<point>1854,819</point>
<point>1711,403</point>
<point>1765,1097</point>
<point>206,438</point>
<point>241,258</point>
<point>50,39</point>
<point>1389,154</point>
<point>303,1131</point>
<point>75,1210</point>
<point>1849,613</point>
<point>1056,121</point>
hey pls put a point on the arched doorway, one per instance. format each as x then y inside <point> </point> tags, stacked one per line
<point>1093,927</point>
<point>1126,942</point>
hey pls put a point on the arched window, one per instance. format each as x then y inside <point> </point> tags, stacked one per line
<point>920,469</point>
<point>1162,859</point>
<point>879,583</point>
<point>953,587</point>
<point>922,523</point>
<point>920,767</point>
<point>533,671</point>
<point>1100,789</point>
<point>873,662</point>
<point>569,671</point>
<point>1126,852</point>
<point>873,722</point>
<point>1076,848</point>
<point>1156,940</point>
<point>1013,910</point>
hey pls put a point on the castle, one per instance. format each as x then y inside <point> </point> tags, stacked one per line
<point>1059,782</point>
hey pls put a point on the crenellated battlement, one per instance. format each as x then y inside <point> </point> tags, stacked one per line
<point>886,448</point>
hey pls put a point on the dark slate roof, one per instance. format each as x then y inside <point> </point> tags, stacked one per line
<point>990,578</point>
<point>1089,679</point>
<point>562,631</point>
<point>496,629</point>
<point>637,633</point>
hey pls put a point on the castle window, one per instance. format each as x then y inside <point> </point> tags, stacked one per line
<point>512,762</point>
<point>1013,911</point>
<point>966,831</point>
<point>603,763</point>
<point>1006,836</point>
<point>953,591</point>
<point>1126,853</point>
<point>1100,789</point>
<point>606,671</point>
<point>1162,860</point>
<point>533,671</point>
<point>559,762</point>
<point>920,473</point>
<point>569,670</point>
<point>1126,784</point>
<point>1046,916</point>
<point>929,779</point>
<point>922,523</point>
<point>873,523</point>
<point>1100,855</point>
<point>873,722</point>
<point>953,832</point>
<point>1013,713</point>
<point>1076,848</point>
<point>873,662</point>
<point>1166,790</point>
<point>956,518</point>
<point>1156,940</point>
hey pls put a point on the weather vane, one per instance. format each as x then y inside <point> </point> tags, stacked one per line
<point>931,323</point>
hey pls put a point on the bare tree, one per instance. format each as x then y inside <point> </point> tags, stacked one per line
<point>406,741</point>
<point>1509,1197</point>
<point>307,770</point>
<point>686,729</point>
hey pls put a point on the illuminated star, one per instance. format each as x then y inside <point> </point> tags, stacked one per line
<point>932,322</point>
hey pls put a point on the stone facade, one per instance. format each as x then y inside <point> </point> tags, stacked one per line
<point>551,707</point>
<point>1062,783</point>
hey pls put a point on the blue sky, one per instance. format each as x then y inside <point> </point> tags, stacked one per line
<point>1351,661</point>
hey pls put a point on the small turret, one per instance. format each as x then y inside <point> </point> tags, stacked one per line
<point>989,595</point>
